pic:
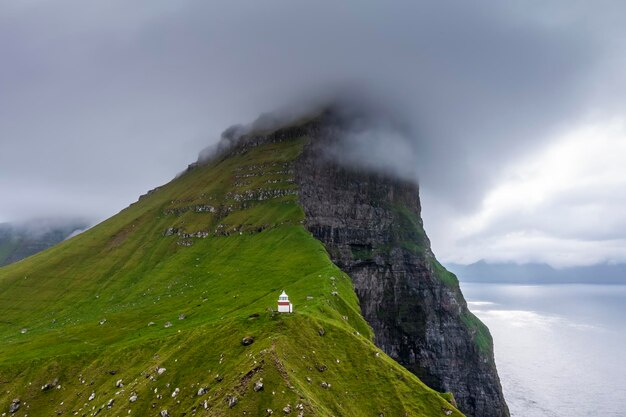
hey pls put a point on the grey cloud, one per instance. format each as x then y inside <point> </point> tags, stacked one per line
<point>105,100</point>
<point>374,132</point>
<point>584,213</point>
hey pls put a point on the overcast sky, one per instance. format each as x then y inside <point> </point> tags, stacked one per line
<point>517,107</point>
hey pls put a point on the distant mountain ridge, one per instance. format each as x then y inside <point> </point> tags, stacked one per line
<point>21,240</point>
<point>539,273</point>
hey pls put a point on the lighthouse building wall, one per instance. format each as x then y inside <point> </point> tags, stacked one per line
<point>285,308</point>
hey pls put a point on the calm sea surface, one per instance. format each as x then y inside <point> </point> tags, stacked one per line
<point>560,349</point>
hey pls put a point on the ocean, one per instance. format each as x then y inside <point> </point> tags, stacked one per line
<point>560,349</point>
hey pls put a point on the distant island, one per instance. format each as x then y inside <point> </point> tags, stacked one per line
<point>539,273</point>
<point>23,239</point>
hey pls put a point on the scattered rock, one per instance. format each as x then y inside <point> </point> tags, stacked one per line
<point>269,412</point>
<point>247,341</point>
<point>112,372</point>
<point>300,406</point>
<point>175,393</point>
<point>14,406</point>
<point>232,401</point>
<point>50,385</point>
<point>164,413</point>
<point>24,330</point>
<point>92,396</point>
<point>446,411</point>
<point>309,297</point>
<point>205,404</point>
<point>219,378</point>
<point>166,325</point>
<point>321,367</point>
<point>170,231</point>
<point>204,208</point>
<point>202,391</point>
<point>160,371</point>
<point>110,403</point>
<point>335,293</point>
<point>321,331</point>
<point>258,386</point>
<point>151,324</point>
<point>133,397</point>
<point>119,383</point>
<point>182,316</point>
<point>103,321</point>
<point>325,385</point>
<point>308,380</point>
<point>287,409</point>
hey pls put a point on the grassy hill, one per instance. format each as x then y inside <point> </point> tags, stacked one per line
<point>161,295</point>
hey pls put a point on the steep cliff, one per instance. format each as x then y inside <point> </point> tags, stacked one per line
<point>168,309</point>
<point>370,224</point>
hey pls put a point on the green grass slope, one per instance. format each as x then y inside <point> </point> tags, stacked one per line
<point>160,296</point>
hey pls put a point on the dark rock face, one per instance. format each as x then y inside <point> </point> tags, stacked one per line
<point>371,226</point>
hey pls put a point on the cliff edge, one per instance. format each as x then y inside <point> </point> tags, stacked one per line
<point>371,226</point>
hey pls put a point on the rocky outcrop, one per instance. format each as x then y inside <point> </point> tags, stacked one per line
<point>371,226</point>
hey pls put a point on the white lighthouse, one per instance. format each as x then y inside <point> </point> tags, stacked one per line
<point>284,306</point>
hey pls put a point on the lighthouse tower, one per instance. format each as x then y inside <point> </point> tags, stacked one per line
<point>284,306</point>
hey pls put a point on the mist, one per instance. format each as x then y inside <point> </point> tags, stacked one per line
<point>37,228</point>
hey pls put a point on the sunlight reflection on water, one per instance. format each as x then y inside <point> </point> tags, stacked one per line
<point>559,348</point>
